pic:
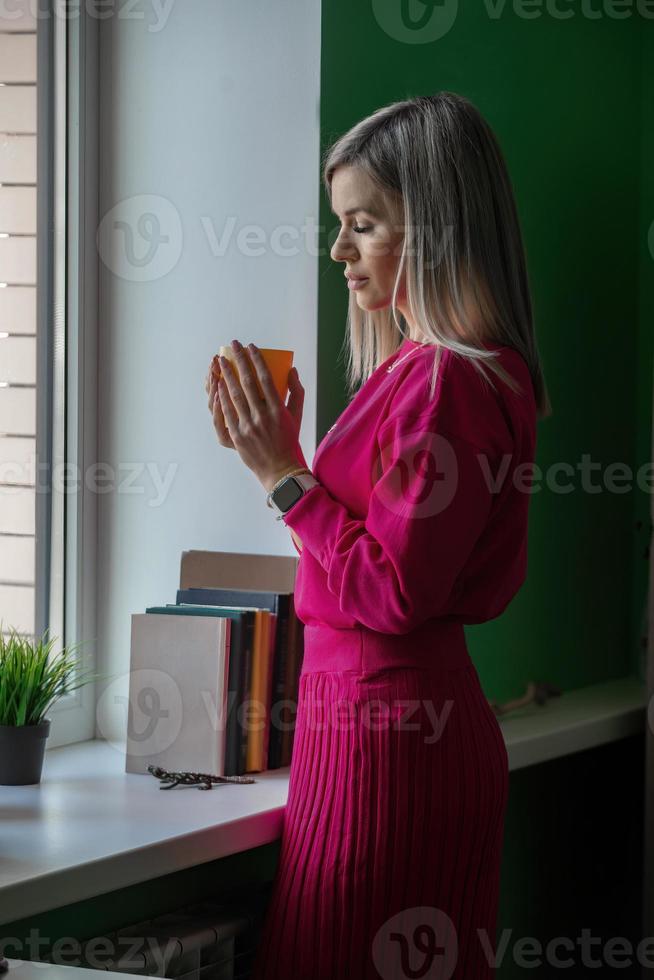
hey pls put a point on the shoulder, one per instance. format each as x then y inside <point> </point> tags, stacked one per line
<point>464,403</point>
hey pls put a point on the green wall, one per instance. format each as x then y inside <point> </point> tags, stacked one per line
<point>567,102</point>
<point>643,392</point>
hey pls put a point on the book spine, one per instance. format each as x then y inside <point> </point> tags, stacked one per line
<point>246,687</point>
<point>269,683</point>
<point>232,734</point>
<point>279,682</point>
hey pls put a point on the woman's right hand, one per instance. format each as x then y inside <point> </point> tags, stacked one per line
<point>211,388</point>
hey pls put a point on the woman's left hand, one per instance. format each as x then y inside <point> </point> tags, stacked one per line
<point>264,432</point>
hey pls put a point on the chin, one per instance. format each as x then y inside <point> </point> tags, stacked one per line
<point>370,304</point>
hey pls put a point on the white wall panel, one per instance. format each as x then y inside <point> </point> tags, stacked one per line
<point>18,260</point>
<point>18,309</point>
<point>17,57</point>
<point>17,608</point>
<point>17,411</point>
<point>18,109</point>
<point>16,559</point>
<point>17,461</point>
<point>17,159</point>
<point>17,510</point>
<point>18,360</point>
<point>18,15</point>
<point>18,210</point>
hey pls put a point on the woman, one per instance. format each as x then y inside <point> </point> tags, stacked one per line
<point>416,525</point>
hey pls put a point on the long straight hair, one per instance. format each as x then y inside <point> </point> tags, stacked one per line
<point>437,163</point>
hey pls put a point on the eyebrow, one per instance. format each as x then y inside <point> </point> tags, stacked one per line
<point>370,211</point>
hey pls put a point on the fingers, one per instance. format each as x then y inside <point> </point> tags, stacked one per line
<point>213,395</point>
<point>265,378</point>
<point>214,376</point>
<point>211,387</point>
<point>247,383</point>
<point>229,405</point>
<point>234,401</point>
<point>219,422</point>
<point>295,401</point>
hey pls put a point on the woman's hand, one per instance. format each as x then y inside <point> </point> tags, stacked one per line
<point>263,431</point>
<point>211,388</point>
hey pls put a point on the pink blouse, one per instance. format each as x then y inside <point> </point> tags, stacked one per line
<point>422,507</point>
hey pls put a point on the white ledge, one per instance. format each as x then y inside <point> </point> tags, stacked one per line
<point>576,720</point>
<point>30,970</point>
<point>89,827</point>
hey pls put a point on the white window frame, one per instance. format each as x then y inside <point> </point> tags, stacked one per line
<point>67,314</point>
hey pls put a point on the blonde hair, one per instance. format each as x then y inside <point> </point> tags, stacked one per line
<point>437,163</point>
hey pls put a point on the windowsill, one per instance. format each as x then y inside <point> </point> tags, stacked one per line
<point>579,719</point>
<point>89,827</point>
<point>31,970</point>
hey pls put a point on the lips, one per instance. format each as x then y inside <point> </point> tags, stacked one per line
<point>355,278</point>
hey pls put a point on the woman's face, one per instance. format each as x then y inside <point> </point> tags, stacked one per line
<point>370,238</point>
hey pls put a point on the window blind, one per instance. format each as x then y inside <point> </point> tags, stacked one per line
<point>18,334</point>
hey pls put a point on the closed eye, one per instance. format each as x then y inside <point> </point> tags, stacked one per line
<point>362,231</point>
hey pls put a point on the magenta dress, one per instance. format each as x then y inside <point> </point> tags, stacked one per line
<point>393,830</point>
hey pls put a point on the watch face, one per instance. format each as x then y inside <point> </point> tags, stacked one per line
<point>288,494</point>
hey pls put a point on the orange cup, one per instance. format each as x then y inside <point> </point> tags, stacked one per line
<point>279,363</point>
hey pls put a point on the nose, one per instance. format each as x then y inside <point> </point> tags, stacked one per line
<point>343,248</point>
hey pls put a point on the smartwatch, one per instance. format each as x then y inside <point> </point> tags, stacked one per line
<point>289,490</point>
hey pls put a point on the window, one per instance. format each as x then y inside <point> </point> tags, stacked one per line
<point>47,289</point>
<point>18,321</point>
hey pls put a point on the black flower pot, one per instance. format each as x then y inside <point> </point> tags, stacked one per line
<point>22,748</point>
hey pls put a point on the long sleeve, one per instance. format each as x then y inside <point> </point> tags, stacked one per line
<point>429,504</point>
<point>299,550</point>
<point>303,462</point>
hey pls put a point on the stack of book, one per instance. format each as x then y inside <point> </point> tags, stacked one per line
<point>214,676</point>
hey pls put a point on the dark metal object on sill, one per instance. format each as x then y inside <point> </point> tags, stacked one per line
<point>203,780</point>
<point>538,692</point>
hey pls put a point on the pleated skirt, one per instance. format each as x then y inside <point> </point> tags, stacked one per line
<point>392,837</point>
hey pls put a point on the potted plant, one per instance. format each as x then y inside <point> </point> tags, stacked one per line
<point>30,682</point>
